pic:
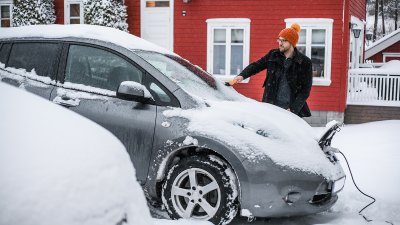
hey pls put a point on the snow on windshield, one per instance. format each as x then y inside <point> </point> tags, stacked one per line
<point>190,78</point>
<point>260,130</point>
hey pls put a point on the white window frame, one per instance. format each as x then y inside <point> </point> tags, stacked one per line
<point>390,55</point>
<point>7,3</point>
<point>231,23</point>
<point>309,24</point>
<point>67,16</point>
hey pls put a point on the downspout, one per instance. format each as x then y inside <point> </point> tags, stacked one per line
<point>345,54</point>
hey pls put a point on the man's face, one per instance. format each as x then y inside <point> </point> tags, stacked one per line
<point>284,44</point>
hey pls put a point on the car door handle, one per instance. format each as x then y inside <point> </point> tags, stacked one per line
<point>66,101</point>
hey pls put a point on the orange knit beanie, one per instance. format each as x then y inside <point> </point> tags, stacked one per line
<point>291,34</point>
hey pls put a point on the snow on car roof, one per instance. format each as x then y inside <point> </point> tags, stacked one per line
<point>102,33</point>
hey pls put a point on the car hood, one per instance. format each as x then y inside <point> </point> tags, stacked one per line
<point>258,131</point>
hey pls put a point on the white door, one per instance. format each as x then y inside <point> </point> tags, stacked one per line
<point>157,22</point>
<point>73,12</point>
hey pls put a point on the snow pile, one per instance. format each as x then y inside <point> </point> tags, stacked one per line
<point>107,34</point>
<point>190,141</point>
<point>136,86</point>
<point>109,13</point>
<point>259,130</point>
<point>373,154</point>
<point>391,65</point>
<point>10,72</point>
<point>392,68</point>
<point>57,167</point>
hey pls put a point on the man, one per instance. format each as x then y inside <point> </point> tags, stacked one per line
<point>289,74</point>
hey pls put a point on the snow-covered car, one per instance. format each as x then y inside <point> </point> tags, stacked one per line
<point>199,148</point>
<point>57,167</point>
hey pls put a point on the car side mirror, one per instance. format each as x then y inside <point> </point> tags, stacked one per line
<point>133,91</point>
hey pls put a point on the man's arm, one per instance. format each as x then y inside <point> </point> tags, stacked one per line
<point>304,93</point>
<point>250,70</point>
<point>255,67</point>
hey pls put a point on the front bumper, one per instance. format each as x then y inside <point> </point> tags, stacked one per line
<point>282,192</point>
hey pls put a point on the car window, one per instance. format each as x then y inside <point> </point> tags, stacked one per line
<point>4,50</point>
<point>40,57</point>
<point>99,68</point>
<point>160,94</point>
<point>189,77</point>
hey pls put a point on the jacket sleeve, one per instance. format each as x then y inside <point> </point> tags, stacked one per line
<point>304,92</point>
<point>255,67</point>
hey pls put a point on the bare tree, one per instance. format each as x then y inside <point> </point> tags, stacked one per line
<point>376,20</point>
<point>383,18</point>
<point>396,13</point>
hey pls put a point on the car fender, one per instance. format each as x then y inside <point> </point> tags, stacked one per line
<point>187,145</point>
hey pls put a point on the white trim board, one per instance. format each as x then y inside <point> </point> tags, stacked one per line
<point>317,23</point>
<point>390,54</point>
<point>382,44</point>
<point>228,23</point>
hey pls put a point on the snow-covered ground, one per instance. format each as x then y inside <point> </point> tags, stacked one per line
<point>374,156</point>
<point>27,194</point>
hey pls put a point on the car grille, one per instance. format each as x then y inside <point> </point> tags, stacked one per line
<point>320,199</point>
<point>323,193</point>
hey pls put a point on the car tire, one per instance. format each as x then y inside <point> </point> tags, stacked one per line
<point>201,187</point>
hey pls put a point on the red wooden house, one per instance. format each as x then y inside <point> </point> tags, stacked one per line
<point>385,49</point>
<point>223,36</point>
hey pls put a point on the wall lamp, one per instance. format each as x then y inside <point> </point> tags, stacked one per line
<point>356,33</point>
<point>368,35</point>
<point>186,1</point>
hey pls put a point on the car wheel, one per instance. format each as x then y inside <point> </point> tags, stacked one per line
<point>201,187</point>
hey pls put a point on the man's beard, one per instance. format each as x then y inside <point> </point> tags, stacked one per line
<point>283,50</point>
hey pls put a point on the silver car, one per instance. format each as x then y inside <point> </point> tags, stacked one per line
<point>200,149</point>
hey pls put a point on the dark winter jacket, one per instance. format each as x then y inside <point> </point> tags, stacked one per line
<point>299,78</point>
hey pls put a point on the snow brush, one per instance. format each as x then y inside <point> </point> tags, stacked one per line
<point>231,83</point>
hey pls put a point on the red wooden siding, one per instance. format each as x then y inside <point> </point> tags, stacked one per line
<point>267,19</point>
<point>59,8</point>
<point>358,8</point>
<point>133,10</point>
<point>377,58</point>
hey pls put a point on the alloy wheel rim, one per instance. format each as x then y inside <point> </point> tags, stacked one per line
<point>196,194</point>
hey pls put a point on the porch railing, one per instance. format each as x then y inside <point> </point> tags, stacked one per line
<point>373,87</point>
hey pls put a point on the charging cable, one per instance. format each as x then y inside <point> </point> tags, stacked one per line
<point>373,199</point>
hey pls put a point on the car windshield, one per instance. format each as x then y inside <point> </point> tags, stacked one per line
<point>189,77</point>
